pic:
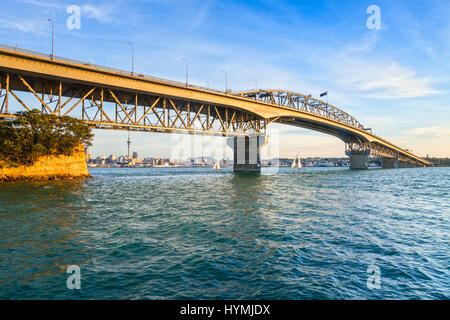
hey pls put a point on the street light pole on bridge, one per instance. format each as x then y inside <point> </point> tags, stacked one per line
<point>50,20</point>
<point>186,61</point>
<point>226,80</point>
<point>132,56</point>
<point>256,89</point>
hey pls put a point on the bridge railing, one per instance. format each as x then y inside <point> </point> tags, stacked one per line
<point>101,67</point>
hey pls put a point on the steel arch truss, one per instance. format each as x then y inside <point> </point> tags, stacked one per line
<point>357,144</point>
<point>372,149</point>
<point>111,108</point>
<point>303,103</point>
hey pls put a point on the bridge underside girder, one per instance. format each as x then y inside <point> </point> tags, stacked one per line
<point>111,108</point>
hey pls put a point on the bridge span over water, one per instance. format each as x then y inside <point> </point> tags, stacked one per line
<point>108,98</point>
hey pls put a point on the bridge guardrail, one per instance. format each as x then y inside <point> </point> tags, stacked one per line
<point>98,66</point>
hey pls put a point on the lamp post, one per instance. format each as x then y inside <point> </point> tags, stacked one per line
<point>186,61</point>
<point>50,20</point>
<point>256,85</point>
<point>256,89</point>
<point>226,80</point>
<point>132,56</point>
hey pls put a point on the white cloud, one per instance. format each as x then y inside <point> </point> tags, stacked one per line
<point>22,25</point>
<point>47,4</point>
<point>385,80</point>
<point>103,13</point>
<point>436,131</point>
<point>359,71</point>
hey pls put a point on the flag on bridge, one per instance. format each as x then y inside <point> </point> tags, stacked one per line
<point>324,93</point>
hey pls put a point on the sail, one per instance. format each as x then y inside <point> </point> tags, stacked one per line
<point>293,164</point>
<point>299,162</point>
<point>217,165</point>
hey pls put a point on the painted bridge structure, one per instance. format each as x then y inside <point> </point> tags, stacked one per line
<point>108,98</point>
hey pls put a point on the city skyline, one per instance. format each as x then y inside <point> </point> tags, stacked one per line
<point>393,80</point>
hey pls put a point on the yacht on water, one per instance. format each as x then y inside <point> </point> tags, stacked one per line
<point>217,166</point>
<point>297,163</point>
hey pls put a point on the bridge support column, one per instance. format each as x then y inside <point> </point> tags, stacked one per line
<point>403,164</point>
<point>358,159</point>
<point>246,152</point>
<point>390,163</point>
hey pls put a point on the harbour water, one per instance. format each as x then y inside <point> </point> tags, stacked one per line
<point>200,234</point>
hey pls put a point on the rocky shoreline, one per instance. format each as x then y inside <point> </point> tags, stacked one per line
<point>5,178</point>
<point>55,167</point>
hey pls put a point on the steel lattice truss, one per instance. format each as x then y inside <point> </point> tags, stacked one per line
<point>108,108</point>
<point>302,102</point>
<point>356,144</point>
<point>314,106</point>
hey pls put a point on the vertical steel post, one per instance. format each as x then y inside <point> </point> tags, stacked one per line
<point>135,109</point>
<point>101,104</point>
<point>7,93</point>
<point>60,97</point>
<point>164,111</point>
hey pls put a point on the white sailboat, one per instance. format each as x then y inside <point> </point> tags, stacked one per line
<point>297,163</point>
<point>217,166</point>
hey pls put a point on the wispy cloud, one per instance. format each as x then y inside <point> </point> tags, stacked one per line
<point>386,80</point>
<point>48,4</point>
<point>357,69</point>
<point>24,25</point>
<point>436,131</point>
<point>102,13</point>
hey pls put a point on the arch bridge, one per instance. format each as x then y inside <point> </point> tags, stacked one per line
<point>108,98</point>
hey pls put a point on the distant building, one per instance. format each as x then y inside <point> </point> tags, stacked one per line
<point>111,159</point>
<point>135,155</point>
<point>88,155</point>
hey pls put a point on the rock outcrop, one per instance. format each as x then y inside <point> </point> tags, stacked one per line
<point>52,167</point>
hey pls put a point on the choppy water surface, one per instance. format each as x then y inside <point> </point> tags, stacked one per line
<point>195,233</point>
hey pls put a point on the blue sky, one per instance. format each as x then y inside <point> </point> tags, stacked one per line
<point>395,80</point>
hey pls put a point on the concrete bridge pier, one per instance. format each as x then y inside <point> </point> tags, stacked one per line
<point>358,159</point>
<point>415,164</point>
<point>390,163</point>
<point>246,152</point>
<point>404,164</point>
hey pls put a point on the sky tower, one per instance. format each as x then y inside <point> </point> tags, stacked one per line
<point>129,143</point>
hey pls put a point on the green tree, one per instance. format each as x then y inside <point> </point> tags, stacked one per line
<point>33,134</point>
